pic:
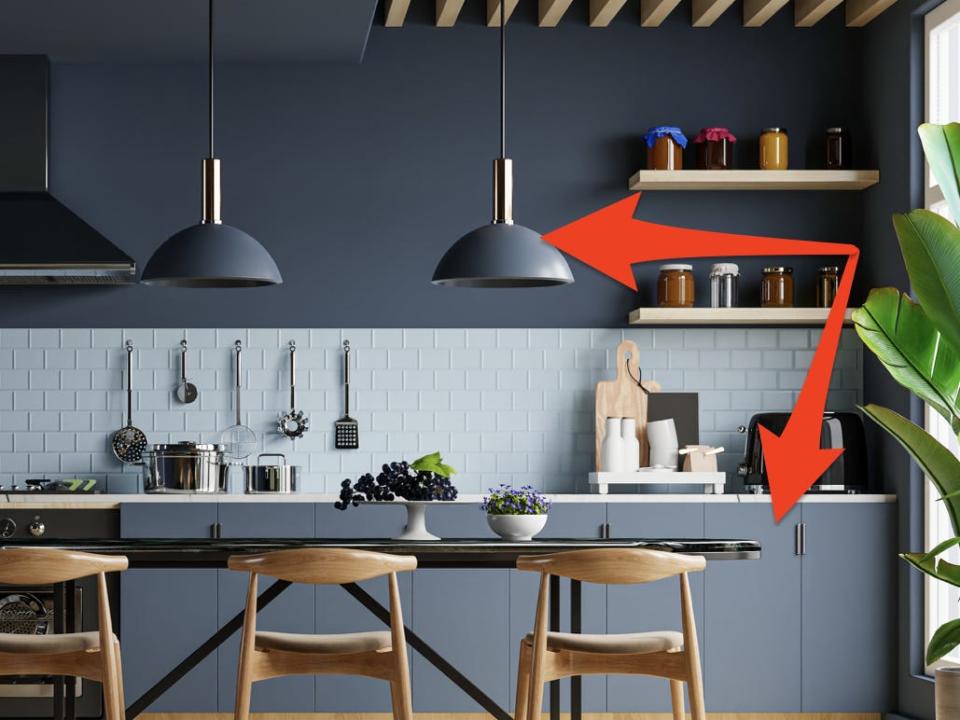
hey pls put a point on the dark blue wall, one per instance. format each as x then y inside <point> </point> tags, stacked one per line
<point>357,178</point>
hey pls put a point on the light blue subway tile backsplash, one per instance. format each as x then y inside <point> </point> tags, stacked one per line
<point>504,405</point>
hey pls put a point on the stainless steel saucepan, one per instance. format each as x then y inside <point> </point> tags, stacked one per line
<point>184,467</point>
<point>271,478</point>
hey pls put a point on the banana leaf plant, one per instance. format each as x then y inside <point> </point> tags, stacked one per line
<point>919,344</point>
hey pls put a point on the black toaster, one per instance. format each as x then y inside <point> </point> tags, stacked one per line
<point>839,430</point>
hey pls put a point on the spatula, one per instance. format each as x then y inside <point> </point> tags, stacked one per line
<point>346,429</point>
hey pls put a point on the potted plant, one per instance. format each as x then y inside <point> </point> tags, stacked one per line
<point>919,344</point>
<point>415,484</point>
<point>516,515</point>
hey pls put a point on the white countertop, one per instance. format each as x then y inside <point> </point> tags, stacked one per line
<point>111,501</point>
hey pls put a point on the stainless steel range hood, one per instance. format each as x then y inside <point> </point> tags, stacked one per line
<point>42,241</point>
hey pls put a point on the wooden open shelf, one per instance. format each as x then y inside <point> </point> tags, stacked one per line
<point>703,316</point>
<point>754,179</point>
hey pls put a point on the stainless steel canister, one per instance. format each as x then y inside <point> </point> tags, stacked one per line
<point>724,285</point>
<point>271,478</point>
<point>184,467</point>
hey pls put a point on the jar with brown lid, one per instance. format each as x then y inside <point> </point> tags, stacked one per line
<point>776,288</point>
<point>665,145</point>
<point>828,280</point>
<point>675,286</point>
<point>774,149</point>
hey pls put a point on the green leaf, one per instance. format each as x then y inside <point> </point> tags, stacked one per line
<point>945,639</point>
<point>902,337</point>
<point>941,145</point>
<point>433,463</point>
<point>936,461</point>
<point>929,566</point>
<point>931,250</point>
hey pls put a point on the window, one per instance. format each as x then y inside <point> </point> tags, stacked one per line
<point>942,62</point>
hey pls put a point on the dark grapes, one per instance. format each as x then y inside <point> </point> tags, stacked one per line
<point>396,480</point>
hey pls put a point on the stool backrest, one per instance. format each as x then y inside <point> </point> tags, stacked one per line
<point>323,566</point>
<point>45,566</point>
<point>613,566</point>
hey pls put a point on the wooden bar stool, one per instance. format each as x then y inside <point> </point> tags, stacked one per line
<point>546,656</point>
<point>381,655</point>
<point>91,655</point>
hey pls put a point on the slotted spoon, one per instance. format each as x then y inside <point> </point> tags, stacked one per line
<point>238,440</point>
<point>129,442</point>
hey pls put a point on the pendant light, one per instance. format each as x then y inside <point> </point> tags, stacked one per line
<point>502,254</point>
<point>211,254</point>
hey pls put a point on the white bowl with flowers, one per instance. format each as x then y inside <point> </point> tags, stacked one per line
<point>516,515</point>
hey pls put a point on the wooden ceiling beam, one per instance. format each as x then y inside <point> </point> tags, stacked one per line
<point>706,12</point>
<point>603,11</point>
<point>395,12</point>
<point>757,12</point>
<point>654,12</point>
<point>860,12</point>
<point>448,11</point>
<point>550,12</point>
<point>493,11</point>
<point>807,13</point>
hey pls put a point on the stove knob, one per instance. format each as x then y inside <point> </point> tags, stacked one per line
<point>36,528</point>
<point>7,527</point>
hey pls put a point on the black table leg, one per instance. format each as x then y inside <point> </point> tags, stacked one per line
<point>59,622</point>
<point>576,682</point>
<point>555,627</point>
<point>194,658</point>
<point>429,654</point>
<point>70,617</point>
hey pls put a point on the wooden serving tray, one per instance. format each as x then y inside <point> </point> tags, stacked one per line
<point>623,398</point>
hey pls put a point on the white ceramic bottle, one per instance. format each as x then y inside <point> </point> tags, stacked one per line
<point>631,446</point>
<point>611,451</point>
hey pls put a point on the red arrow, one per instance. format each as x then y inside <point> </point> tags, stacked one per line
<point>611,240</point>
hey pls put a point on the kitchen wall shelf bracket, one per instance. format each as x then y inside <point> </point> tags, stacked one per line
<point>712,482</point>
<point>754,179</point>
<point>739,316</point>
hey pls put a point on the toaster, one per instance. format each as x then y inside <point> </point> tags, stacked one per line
<point>839,430</point>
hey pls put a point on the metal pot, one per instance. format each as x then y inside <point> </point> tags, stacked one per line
<point>276,478</point>
<point>184,467</point>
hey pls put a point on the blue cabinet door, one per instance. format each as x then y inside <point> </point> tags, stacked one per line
<point>655,606</point>
<point>566,520</point>
<point>366,521</point>
<point>166,614</point>
<point>292,611</point>
<point>752,624</point>
<point>849,619</point>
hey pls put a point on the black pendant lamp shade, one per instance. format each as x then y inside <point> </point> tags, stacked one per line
<point>502,254</point>
<point>211,254</point>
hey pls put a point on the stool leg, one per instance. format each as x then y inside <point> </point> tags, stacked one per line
<point>400,694</point>
<point>244,689</point>
<point>523,682</point>
<point>121,702</point>
<point>676,698</point>
<point>111,702</point>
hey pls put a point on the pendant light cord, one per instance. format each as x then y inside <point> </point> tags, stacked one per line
<point>503,80</point>
<point>210,73</point>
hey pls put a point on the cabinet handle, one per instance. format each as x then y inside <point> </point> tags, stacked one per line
<point>216,531</point>
<point>798,539</point>
<point>606,530</point>
<point>803,538</point>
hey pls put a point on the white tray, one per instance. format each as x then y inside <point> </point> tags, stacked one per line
<point>712,482</point>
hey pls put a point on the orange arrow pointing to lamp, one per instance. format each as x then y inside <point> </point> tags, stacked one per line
<point>610,240</point>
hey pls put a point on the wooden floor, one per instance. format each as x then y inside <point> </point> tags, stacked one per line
<point>481,716</point>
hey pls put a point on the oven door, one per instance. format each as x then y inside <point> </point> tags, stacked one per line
<point>30,611</point>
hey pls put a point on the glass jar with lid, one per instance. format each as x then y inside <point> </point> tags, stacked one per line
<point>714,148</point>
<point>828,281</point>
<point>675,286</point>
<point>839,149</point>
<point>776,288</point>
<point>665,146</point>
<point>724,285</point>
<point>774,149</point>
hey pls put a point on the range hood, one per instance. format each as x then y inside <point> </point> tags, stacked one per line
<point>42,241</point>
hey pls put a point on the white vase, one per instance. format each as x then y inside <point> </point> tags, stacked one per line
<point>516,528</point>
<point>611,452</point>
<point>416,527</point>
<point>947,693</point>
<point>664,448</point>
<point>631,446</point>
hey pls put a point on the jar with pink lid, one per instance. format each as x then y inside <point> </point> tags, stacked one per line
<point>714,148</point>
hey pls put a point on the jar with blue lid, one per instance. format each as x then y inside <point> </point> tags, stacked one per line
<point>665,146</point>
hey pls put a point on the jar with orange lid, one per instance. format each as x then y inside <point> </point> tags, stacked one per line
<point>665,146</point>
<point>675,286</point>
<point>774,149</point>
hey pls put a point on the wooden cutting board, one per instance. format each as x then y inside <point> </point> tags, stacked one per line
<point>623,398</point>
